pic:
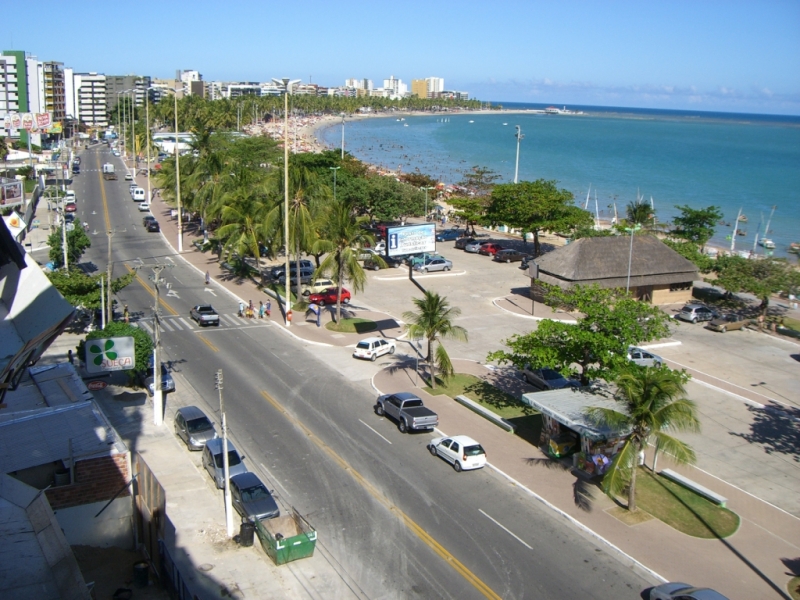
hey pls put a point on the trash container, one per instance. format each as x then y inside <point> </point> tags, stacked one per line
<point>141,574</point>
<point>246,534</point>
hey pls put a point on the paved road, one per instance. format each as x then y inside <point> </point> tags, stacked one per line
<point>399,522</point>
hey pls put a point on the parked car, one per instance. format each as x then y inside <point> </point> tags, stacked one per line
<point>417,259</point>
<point>213,461</point>
<point>144,207</point>
<point>437,263</point>
<point>306,275</point>
<point>461,451</point>
<point>70,206</point>
<point>251,499</point>
<point>147,219</point>
<point>167,382</point>
<point>489,249</point>
<point>408,410</point>
<point>329,296</point>
<point>729,322</point>
<point>696,312</point>
<point>683,591</point>
<point>204,314</point>
<point>473,246</point>
<point>547,379</point>
<point>461,243</point>
<point>449,235</point>
<point>643,358</point>
<point>316,286</point>
<point>153,226</point>
<point>193,427</point>
<point>509,255</point>
<point>374,347</point>
<point>139,195</point>
<point>388,261</point>
<point>133,186</point>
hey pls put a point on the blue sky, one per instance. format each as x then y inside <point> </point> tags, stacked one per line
<point>736,56</point>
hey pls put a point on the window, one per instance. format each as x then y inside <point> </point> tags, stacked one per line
<point>446,443</point>
<point>454,447</point>
<point>473,450</point>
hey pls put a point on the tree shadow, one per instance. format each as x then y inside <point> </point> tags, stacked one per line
<point>793,564</point>
<point>582,489</point>
<point>775,429</point>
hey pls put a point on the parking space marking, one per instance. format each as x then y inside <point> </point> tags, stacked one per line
<point>375,432</point>
<point>506,529</point>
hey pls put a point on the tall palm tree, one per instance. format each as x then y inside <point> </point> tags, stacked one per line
<point>241,210</point>
<point>342,237</point>
<point>433,322</point>
<point>654,404</point>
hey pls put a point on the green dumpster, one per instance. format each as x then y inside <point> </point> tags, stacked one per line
<point>287,538</point>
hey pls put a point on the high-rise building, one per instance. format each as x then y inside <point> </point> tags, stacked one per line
<point>20,89</point>
<point>435,86</point>
<point>90,99</point>
<point>419,88</point>
<point>193,84</point>
<point>137,85</point>
<point>395,87</point>
<point>55,100</point>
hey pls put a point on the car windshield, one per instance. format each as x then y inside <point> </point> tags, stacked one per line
<point>476,450</point>
<point>198,425</point>
<point>413,403</point>
<point>550,375</point>
<point>254,494</point>
<point>363,345</point>
<point>233,459</point>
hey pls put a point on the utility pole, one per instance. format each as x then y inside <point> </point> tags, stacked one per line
<point>158,397</point>
<point>519,137</point>
<point>63,214</point>
<point>178,178</point>
<point>342,136</point>
<point>226,473</point>
<point>110,234</point>
<point>334,169</point>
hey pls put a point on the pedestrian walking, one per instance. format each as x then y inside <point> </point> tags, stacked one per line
<point>126,314</point>
<point>269,307</point>
<point>250,310</point>
<point>260,310</point>
<point>208,277</point>
<point>241,308</point>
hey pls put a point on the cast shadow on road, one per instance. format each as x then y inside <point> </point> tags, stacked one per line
<point>774,428</point>
<point>582,489</point>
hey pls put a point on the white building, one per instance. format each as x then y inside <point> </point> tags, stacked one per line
<point>435,86</point>
<point>90,99</point>
<point>359,84</point>
<point>395,87</point>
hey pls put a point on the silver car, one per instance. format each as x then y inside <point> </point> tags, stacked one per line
<point>194,427</point>
<point>473,247</point>
<point>643,358</point>
<point>213,461</point>
<point>436,263</point>
<point>696,312</point>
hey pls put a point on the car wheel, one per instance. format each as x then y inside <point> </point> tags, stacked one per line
<point>432,450</point>
<point>307,293</point>
<point>321,302</point>
<point>723,329</point>
<point>423,270</point>
<point>402,426</point>
<point>391,350</point>
<point>379,410</point>
<point>508,261</point>
<point>457,466</point>
<point>397,266</point>
<point>345,300</point>
<point>447,268</point>
<point>694,320</point>
<point>373,357</point>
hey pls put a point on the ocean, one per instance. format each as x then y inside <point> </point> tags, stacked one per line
<point>733,161</point>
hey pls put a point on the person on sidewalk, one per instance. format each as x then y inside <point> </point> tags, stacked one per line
<point>268,307</point>
<point>126,314</point>
<point>208,277</point>
<point>241,308</point>
<point>260,309</point>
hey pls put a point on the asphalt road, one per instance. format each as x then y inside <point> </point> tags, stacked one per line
<point>400,522</point>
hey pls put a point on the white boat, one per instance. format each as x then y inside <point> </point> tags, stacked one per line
<point>472,121</point>
<point>766,243</point>
<point>505,123</point>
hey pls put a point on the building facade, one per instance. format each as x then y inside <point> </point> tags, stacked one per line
<point>90,99</point>
<point>137,85</point>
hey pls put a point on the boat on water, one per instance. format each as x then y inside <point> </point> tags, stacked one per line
<point>505,123</point>
<point>766,243</point>
<point>471,121</point>
<point>794,248</point>
<point>743,218</point>
<point>741,232</point>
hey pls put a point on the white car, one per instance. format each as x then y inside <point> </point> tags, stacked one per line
<point>316,286</point>
<point>461,451</point>
<point>643,358</point>
<point>144,207</point>
<point>128,176</point>
<point>374,347</point>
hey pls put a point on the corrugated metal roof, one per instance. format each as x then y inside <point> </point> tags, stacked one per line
<point>60,384</point>
<point>33,438</point>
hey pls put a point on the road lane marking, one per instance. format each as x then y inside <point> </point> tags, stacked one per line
<point>207,343</point>
<point>103,194</point>
<point>506,529</point>
<point>423,535</point>
<point>373,431</point>
<point>212,292</point>
<point>152,292</point>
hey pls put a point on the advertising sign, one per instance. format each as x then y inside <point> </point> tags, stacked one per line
<point>110,354</point>
<point>29,121</point>
<point>96,385</point>
<point>43,120</point>
<point>411,239</point>
<point>10,192</point>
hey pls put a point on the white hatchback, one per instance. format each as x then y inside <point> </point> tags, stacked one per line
<point>144,207</point>
<point>374,347</point>
<point>461,451</point>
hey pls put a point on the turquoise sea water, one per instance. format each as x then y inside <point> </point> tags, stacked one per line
<point>700,159</point>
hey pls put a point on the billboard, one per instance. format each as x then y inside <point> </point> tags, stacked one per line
<point>110,354</point>
<point>31,121</point>
<point>10,192</point>
<point>411,239</point>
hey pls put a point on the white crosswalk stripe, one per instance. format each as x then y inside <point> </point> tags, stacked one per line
<point>165,324</point>
<point>188,324</point>
<point>146,326</point>
<point>176,325</point>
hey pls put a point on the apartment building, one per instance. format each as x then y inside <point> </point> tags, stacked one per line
<point>137,85</point>
<point>90,99</point>
<point>55,100</point>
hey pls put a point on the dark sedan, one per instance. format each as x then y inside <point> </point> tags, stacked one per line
<point>389,261</point>
<point>449,234</point>
<point>153,226</point>
<point>251,499</point>
<point>509,255</point>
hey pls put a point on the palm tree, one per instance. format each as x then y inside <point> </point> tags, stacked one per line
<point>640,213</point>
<point>433,322</point>
<point>342,237</point>
<point>654,403</point>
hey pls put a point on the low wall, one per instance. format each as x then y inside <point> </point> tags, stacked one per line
<point>114,527</point>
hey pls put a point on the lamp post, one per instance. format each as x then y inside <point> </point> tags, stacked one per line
<point>519,137</point>
<point>426,199</point>
<point>178,177</point>
<point>632,230</point>
<point>334,169</point>
<point>342,136</point>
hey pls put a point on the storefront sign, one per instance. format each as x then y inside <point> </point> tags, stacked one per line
<point>110,354</point>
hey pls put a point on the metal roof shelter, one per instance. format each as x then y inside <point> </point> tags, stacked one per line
<point>568,406</point>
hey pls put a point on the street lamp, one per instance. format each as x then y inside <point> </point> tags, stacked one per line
<point>342,136</point>
<point>632,230</point>
<point>334,169</point>
<point>120,122</point>
<point>426,198</point>
<point>178,177</point>
<point>519,137</point>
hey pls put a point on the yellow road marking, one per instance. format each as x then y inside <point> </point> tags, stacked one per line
<point>103,192</point>
<point>152,292</point>
<point>209,344</point>
<point>451,560</point>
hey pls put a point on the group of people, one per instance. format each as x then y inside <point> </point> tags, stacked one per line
<point>249,311</point>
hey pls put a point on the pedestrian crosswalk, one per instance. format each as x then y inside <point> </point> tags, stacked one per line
<point>180,323</point>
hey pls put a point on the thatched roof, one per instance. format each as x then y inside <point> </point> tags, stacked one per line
<point>604,261</point>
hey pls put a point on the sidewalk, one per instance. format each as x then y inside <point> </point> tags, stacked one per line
<point>753,563</point>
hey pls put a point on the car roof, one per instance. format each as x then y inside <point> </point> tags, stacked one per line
<point>191,412</point>
<point>464,440</point>
<point>246,480</point>
<point>405,396</point>
<point>215,446</point>
<point>370,339</point>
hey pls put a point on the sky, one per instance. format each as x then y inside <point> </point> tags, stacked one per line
<point>708,55</point>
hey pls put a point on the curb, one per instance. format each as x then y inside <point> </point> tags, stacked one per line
<point>486,414</point>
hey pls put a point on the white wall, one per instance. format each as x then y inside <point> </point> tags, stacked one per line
<point>112,528</point>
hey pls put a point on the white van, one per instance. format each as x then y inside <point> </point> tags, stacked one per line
<point>139,195</point>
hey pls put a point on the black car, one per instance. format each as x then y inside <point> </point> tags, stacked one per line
<point>147,220</point>
<point>509,255</point>
<point>251,499</point>
<point>76,168</point>
<point>153,226</point>
<point>449,234</point>
<point>462,242</point>
<point>391,262</point>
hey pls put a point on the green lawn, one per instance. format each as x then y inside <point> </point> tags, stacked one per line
<point>683,509</point>
<point>354,325</point>
<point>527,420</point>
